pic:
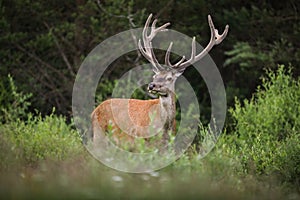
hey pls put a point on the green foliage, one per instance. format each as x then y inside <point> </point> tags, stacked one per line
<point>244,55</point>
<point>248,56</point>
<point>13,104</point>
<point>288,159</point>
<point>40,138</point>
<point>104,91</point>
<point>273,109</point>
<point>267,127</point>
<point>29,138</point>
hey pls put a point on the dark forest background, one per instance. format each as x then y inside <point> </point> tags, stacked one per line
<point>44,43</point>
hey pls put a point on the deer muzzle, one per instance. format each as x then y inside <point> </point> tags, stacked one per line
<point>157,89</point>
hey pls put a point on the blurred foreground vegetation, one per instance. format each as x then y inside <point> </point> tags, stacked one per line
<point>42,46</point>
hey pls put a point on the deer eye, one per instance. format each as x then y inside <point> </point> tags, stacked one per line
<point>169,78</point>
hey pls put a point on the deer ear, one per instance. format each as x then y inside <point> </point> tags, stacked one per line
<point>178,73</point>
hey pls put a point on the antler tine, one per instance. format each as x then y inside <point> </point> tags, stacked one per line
<point>141,48</point>
<point>215,39</point>
<point>144,33</point>
<point>167,58</point>
<point>147,50</point>
<point>193,54</point>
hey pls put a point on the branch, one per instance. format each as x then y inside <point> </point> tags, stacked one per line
<point>63,55</point>
<point>163,9</point>
<point>38,59</point>
<point>130,19</point>
<point>108,13</point>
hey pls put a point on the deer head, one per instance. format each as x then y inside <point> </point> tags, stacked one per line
<point>165,75</point>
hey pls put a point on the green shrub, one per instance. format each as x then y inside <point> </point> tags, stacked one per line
<point>266,133</point>
<point>288,159</point>
<point>13,104</point>
<point>29,138</point>
<point>41,138</point>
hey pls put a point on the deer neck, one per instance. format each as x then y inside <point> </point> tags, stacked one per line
<point>168,109</point>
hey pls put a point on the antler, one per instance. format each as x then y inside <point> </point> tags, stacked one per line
<point>147,50</point>
<point>215,39</point>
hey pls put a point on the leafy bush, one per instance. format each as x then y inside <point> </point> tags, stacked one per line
<point>41,138</point>
<point>288,160</point>
<point>13,104</point>
<point>30,138</point>
<point>266,135</point>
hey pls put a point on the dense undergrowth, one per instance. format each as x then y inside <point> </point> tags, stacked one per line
<point>256,157</point>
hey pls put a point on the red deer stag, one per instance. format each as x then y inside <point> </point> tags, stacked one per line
<point>130,118</point>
